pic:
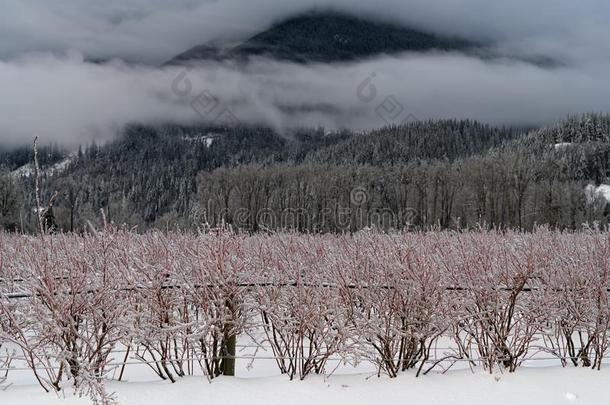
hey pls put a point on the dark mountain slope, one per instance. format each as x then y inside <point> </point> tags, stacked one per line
<point>327,37</point>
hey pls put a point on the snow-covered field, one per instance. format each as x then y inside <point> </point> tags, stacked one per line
<point>258,382</point>
<point>261,385</point>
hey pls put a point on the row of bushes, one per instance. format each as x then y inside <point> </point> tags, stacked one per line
<point>178,301</point>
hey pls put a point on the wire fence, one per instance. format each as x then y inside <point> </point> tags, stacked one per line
<point>294,284</point>
<point>448,359</point>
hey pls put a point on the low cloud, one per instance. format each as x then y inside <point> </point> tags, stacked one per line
<point>66,99</point>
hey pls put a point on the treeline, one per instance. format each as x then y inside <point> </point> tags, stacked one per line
<point>436,173</point>
<point>13,158</point>
<point>544,177</point>
<point>503,189</point>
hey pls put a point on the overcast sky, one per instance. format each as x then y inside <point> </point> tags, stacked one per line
<point>49,89</point>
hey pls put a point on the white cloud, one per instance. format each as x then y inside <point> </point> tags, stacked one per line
<point>68,99</point>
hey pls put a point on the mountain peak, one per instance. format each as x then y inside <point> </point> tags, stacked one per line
<point>327,37</point>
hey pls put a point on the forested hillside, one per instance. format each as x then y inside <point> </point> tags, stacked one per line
<point>327,37</point>
<point>425,174</point>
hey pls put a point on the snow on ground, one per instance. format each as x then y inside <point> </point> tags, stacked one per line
<point>208,139</point>
<point>28,169</point>
<point>604,190</point>
<point>541,381</point>
<point>553,386</point>
<point>562,145</point>
<point>592,192</point>
<point>25,170</point>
